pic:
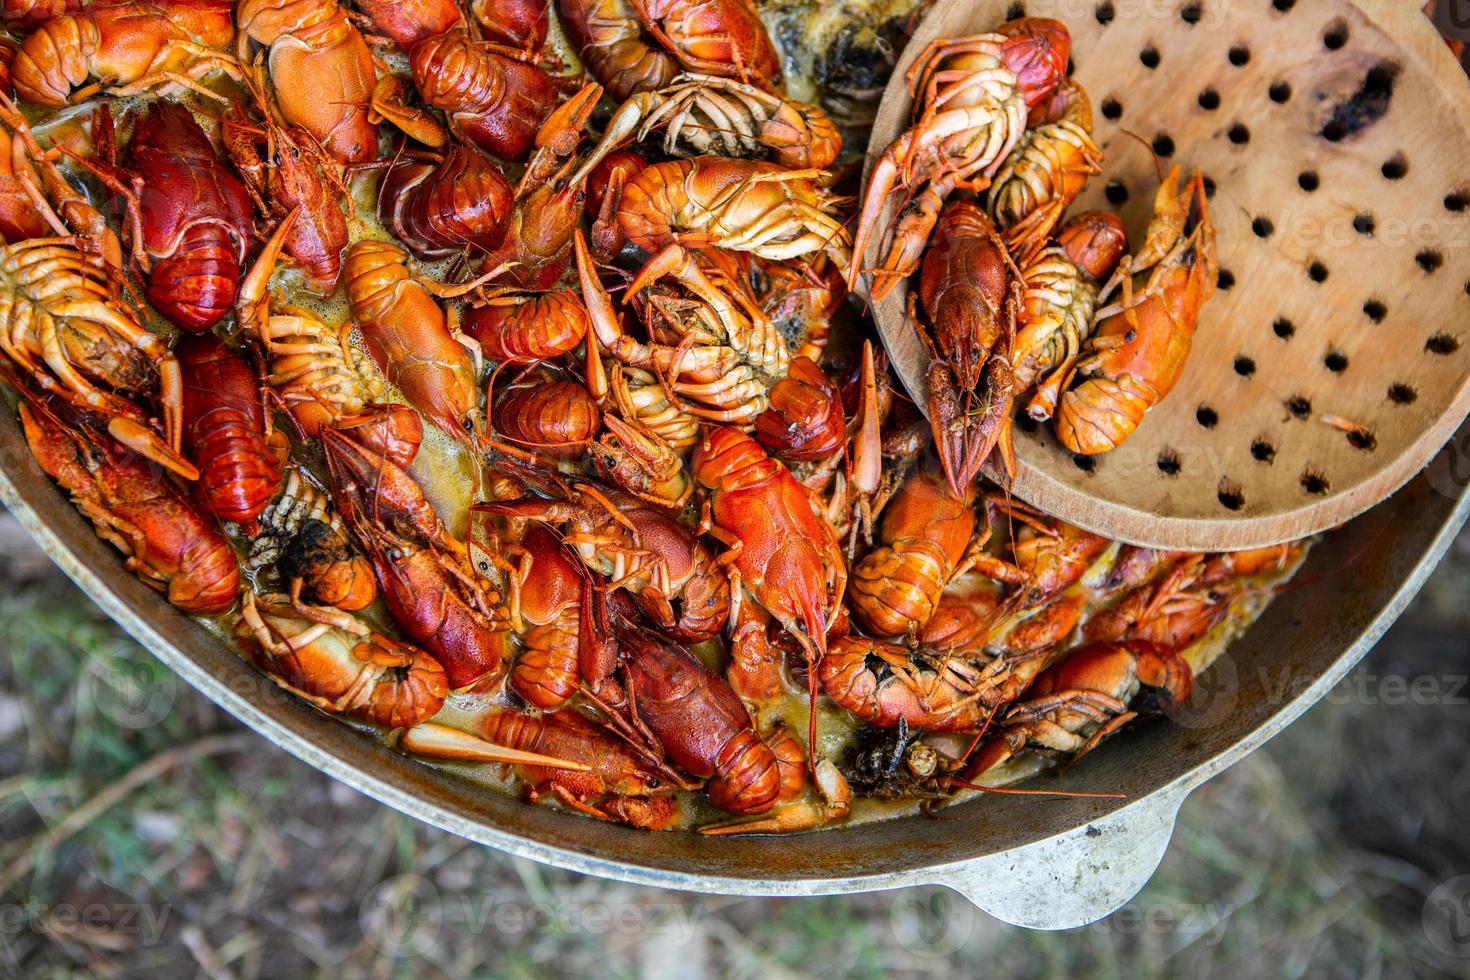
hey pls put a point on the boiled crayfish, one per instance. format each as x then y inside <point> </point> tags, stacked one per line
<point>1138,348</point>
<point>685,534</point>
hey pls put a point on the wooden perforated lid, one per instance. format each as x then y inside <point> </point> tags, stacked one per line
<point>1334,358</point>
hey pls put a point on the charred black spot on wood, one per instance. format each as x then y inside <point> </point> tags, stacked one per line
<point>1364,107</point>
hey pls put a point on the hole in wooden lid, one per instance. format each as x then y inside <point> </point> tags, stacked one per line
<point>1164,145</point>
<point>1192,12</point>
<point>1429,259</point>
<point>1335,361</point>
<point>1244,366</point>
<point>1209,183</point>
<point>1402,394</point>
<point>1364,439</point>
<point>1209,99</point>
<point>1230,496</point>
<point>1263,451</point>
<point>1206,416</point>
<point>1336,35</point>
<point>1308,180</point>
<point>1283,5</point>
<point>1283,328</point>
<point>1280,92</point>
<point>1299,406</point>
<point>1239,134</point>
<point>1395,167</point>
<point>1441,343</point>
<point>1363,224</point>
<point>1315,483</point>
<point>1084,463</point>
<point>1115,192</point>
<point>1225,279</point>
<point>1375,310</point>
<point>1015,10</point>
<point>1317,271</point>
<point>1169,463</point>
<point>1149,56</point>
<point>1104,13</point>
<point>1262,226</point>
<point>1240,55</point>
<point>1458,201</point>
<point>1112,108</point>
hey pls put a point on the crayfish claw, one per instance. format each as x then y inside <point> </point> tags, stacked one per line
<point>443,742</point>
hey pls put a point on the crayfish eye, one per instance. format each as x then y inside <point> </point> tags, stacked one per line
<point>654,783</point>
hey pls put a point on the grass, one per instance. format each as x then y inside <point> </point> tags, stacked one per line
<point>144,833</point>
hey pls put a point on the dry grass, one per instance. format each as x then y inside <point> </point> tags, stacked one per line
<point>145,834</point>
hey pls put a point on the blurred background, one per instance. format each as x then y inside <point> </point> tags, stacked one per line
<point>143,832</point>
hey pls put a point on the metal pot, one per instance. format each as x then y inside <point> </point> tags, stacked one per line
<point>1047,864</point>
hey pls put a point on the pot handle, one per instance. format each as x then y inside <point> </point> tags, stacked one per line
<point>1077,877</point>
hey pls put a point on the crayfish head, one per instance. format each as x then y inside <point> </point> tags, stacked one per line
<point>1095,241</point>
<point>636,459</point>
